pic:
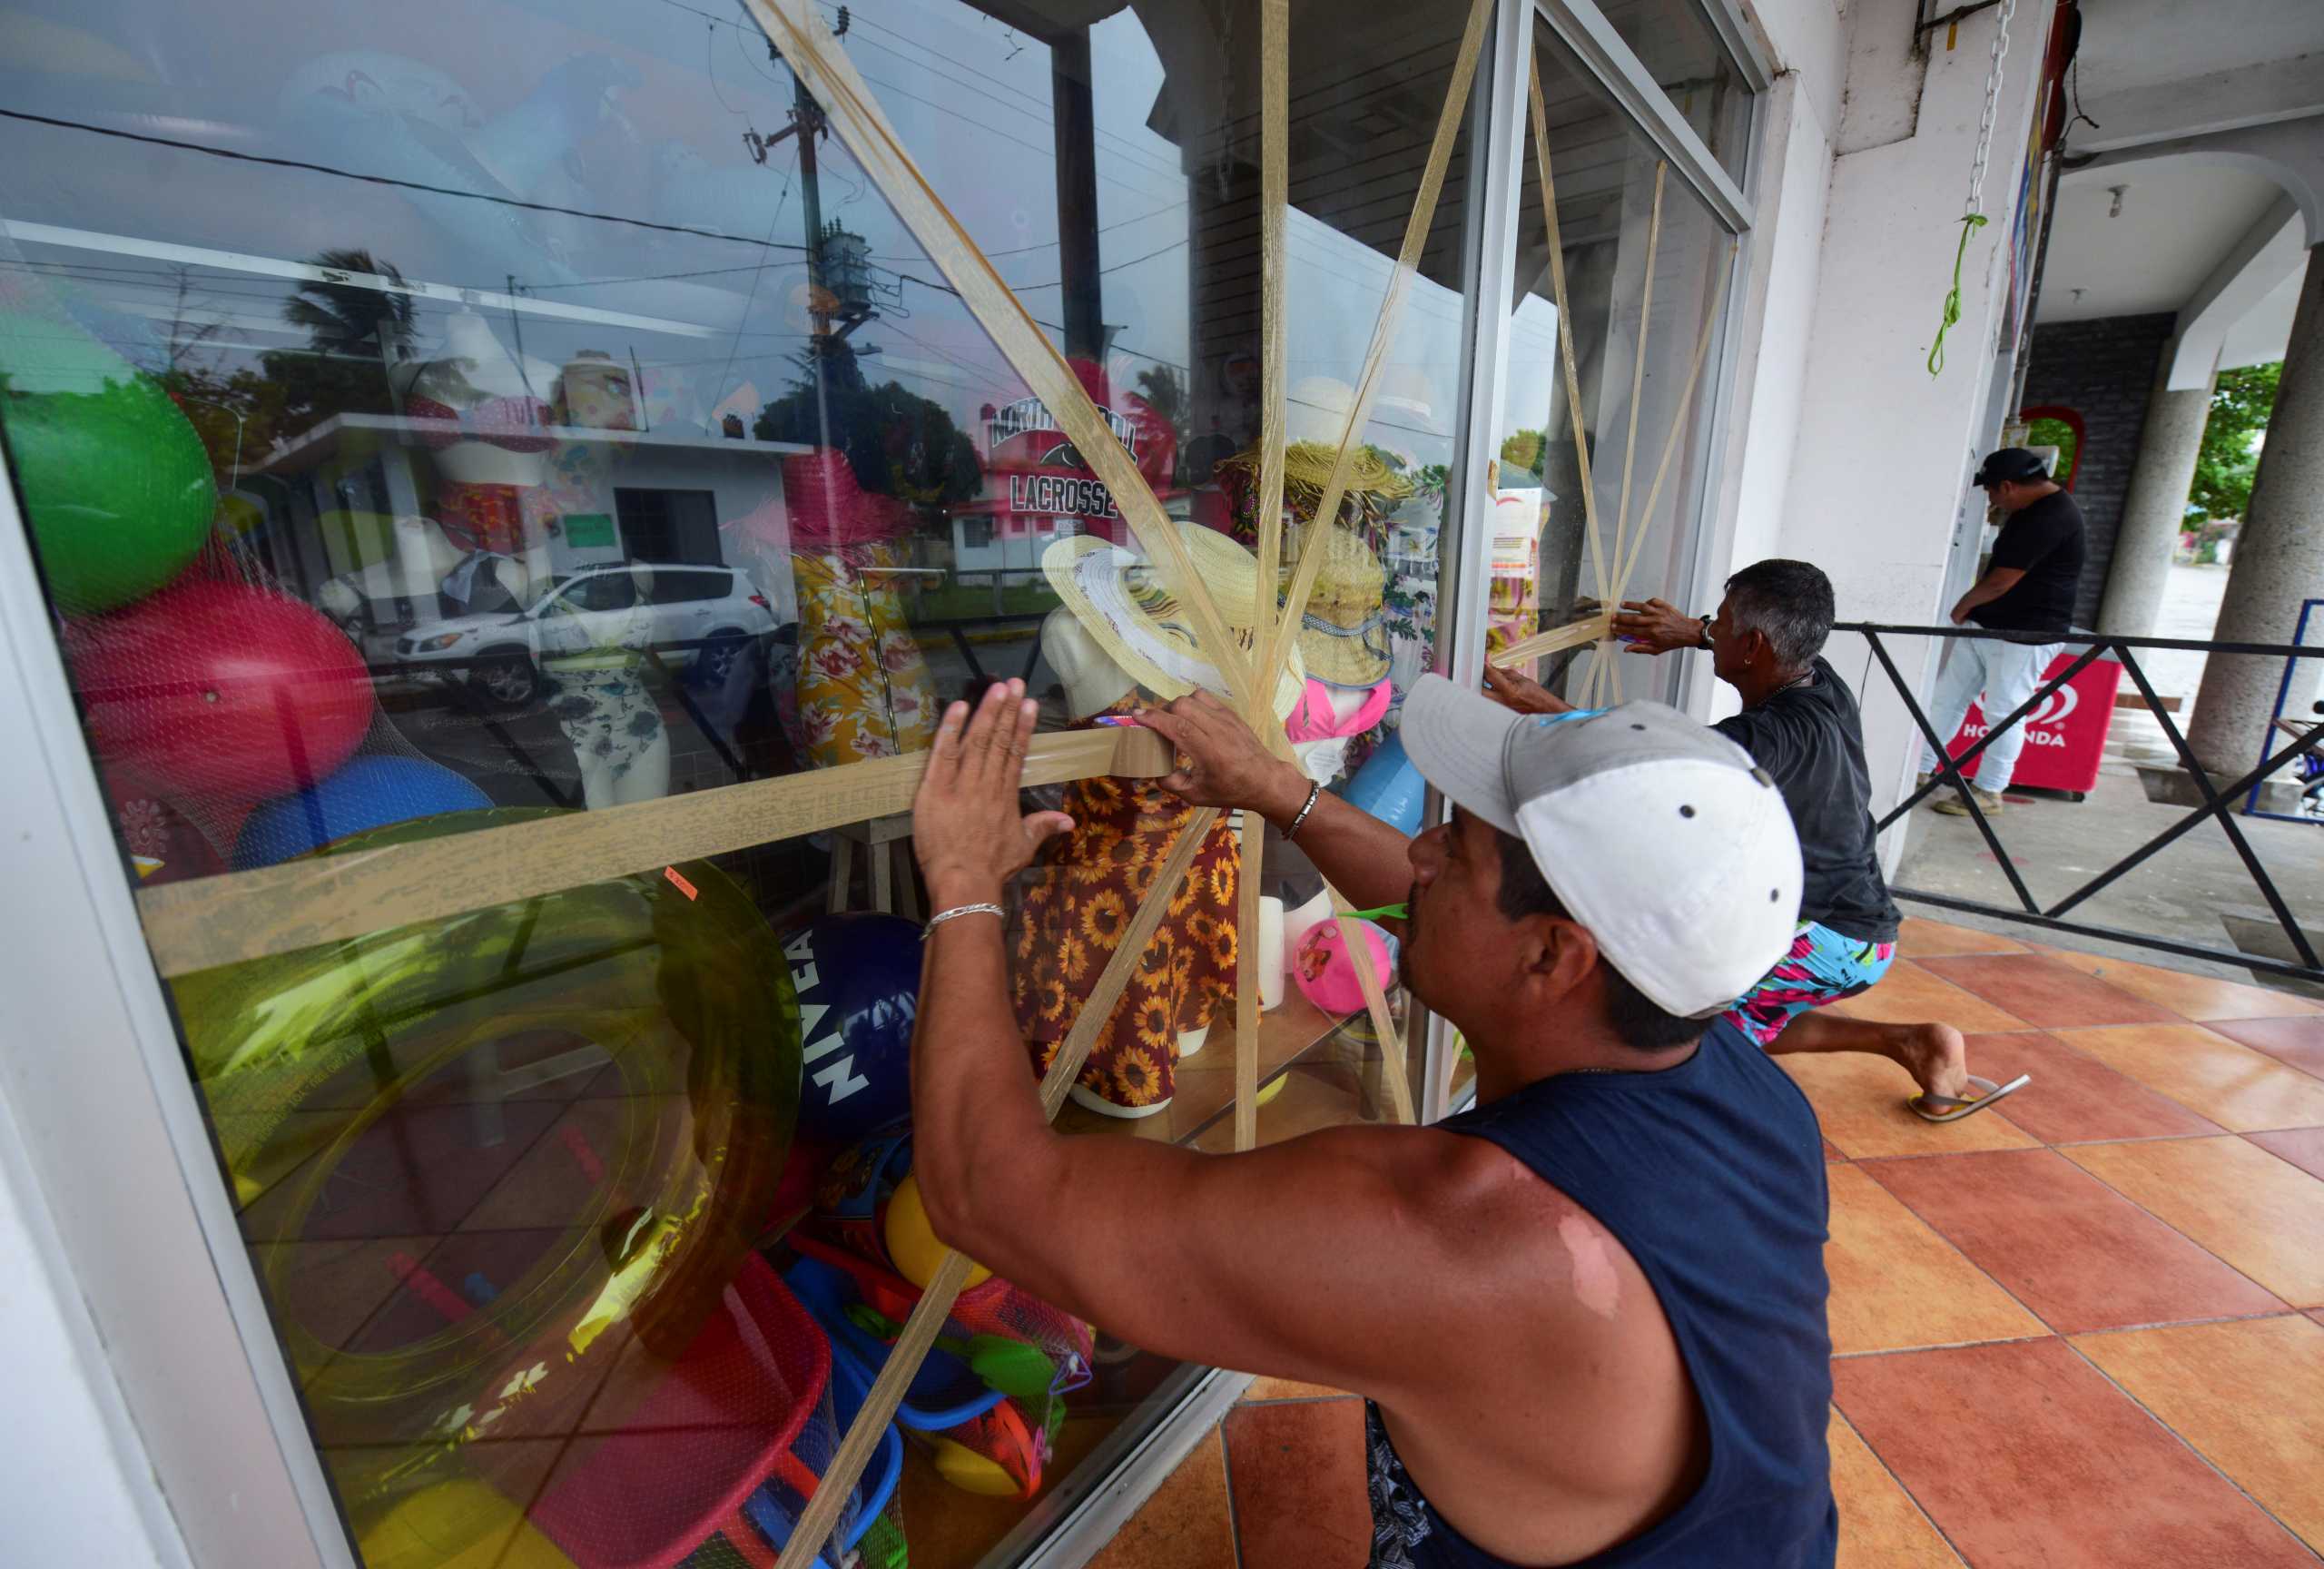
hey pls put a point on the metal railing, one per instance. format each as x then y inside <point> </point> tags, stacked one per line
<point>2217,802</point>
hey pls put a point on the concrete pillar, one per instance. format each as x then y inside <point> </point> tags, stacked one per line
<point>2168,442</point>
<point>2278,557</point>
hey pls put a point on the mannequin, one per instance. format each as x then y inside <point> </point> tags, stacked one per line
<point>1123,827</point>
<point>602,701</point>
<point>500,456</point>
<point>1322,747</point>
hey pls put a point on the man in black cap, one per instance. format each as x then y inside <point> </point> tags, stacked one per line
<point>2028,586</point>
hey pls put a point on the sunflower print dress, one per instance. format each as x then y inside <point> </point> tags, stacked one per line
<point>864,688</point>
<point>1078,904</point>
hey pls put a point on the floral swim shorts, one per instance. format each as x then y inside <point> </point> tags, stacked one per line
<point>1822,967</point>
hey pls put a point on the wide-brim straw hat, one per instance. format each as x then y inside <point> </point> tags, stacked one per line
<point>1343,636</point>
<point>1144,624</point>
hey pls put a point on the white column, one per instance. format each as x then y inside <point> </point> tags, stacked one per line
<point>2278,557</point>
<point>2169,443</point>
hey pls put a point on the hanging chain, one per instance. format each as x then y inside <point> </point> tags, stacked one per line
<point>1972,217</point>
<point>1993,101</point>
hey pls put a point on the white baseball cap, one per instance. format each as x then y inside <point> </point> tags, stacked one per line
<point>1659,834</point>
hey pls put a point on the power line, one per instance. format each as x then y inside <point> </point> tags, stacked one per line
<point>386,180</point>
<point>1116,267</point>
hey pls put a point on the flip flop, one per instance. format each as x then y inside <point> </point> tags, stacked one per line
<point>1952,1108</point>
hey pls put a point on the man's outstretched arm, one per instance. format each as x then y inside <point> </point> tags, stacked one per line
<point>1274,1261</point>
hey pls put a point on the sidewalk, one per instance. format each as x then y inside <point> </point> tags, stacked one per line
<point>2083,1330</point>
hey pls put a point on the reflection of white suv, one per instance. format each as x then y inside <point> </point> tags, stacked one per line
<point>705,617</point>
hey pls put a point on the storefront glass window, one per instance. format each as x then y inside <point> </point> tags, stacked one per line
<point>453,438</point>
<point>1674,41</point>
<point>1639,333</point>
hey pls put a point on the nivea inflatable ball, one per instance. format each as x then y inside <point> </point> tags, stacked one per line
<point>857,976</point>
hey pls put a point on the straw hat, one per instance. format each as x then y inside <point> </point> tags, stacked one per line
<point>1343,637</point>
<point>1120,597</point>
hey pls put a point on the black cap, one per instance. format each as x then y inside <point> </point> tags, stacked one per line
<point>2011,463</point>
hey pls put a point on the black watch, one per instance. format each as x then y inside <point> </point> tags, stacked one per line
<point>1705,621</point>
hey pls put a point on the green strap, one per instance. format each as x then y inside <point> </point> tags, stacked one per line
<point>1393,911</point>
<point>1970,223</point>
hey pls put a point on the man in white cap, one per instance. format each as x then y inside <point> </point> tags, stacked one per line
<point>1590,1314</point>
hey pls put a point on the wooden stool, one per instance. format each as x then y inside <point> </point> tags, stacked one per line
<point>877,836</point>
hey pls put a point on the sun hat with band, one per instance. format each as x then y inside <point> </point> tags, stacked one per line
<point>1343,636</point>
<point>1121,599</point>
<point>1659,834</point>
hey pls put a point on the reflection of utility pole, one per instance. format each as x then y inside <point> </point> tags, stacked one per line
<point>808,123</point>
<point>1073,118</point>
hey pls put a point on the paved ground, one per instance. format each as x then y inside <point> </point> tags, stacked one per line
<point>2081,1329</point>
<point>2059,845</point>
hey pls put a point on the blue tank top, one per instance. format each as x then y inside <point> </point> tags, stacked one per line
<point>1711,1174</point>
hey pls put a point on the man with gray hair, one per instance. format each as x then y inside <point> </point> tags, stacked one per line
<point>1800,723</point>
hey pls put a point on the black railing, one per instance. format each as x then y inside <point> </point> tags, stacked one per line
<point>2217,804</point>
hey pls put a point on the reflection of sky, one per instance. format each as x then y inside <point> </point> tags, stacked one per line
<point>466,95</point>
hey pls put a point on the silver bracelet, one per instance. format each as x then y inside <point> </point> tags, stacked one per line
<point>943,915</point>
<point>1315,793</point>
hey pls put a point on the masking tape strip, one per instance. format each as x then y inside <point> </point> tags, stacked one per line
<point>212,921</point>
<point>1637,374</point>
<point>1383,332</point>
<point>1274,197</point>
<point>815,56</point>
<point>1392,1063</point>
<point>1540,116</point>
<point>1571,636</point>
<point>1247,985</point>
<point>1678,425</point>
<point>820,1516</point>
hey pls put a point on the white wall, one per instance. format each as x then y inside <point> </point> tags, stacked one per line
<point>64,1496</point>
<point>1882,451</point>
<point>1776,320</point>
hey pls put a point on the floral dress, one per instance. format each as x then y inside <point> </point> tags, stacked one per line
<point>1080,902</point>
<point>601,700</point>
<point>864,688</point>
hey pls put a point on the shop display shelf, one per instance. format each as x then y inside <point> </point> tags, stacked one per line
<point>1296,1043</point>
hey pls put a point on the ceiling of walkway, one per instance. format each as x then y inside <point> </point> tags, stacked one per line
<point>2151,73</point>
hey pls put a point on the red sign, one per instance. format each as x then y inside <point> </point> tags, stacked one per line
<point>1035,478</point>
<point>2065,735</point>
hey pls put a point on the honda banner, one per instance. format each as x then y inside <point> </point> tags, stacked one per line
<point>2065,735</point>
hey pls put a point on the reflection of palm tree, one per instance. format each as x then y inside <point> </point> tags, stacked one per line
<point>352,318</point>
<point>356,333</point>
<point>1160,387</point>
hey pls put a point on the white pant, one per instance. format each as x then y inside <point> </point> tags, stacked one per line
<point>1997,676</point>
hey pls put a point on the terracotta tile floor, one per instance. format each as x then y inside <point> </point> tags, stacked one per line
<point>2086,1328</point>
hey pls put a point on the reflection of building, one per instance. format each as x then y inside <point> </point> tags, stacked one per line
<point>351,500</point>
<point>1039,489</point>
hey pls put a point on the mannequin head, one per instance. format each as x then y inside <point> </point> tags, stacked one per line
<point>1093,682</point>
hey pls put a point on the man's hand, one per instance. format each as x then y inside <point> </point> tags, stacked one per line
<point>1221,763</point>
<point>1521,693</point>
<point>966,827</point>
<point>1651,627</point>
<point>1961,612</point>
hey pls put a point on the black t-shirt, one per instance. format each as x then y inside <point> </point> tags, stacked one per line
<point>1810,740</point>
<point>2043,541</point>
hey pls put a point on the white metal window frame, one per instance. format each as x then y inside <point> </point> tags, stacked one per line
<point>1616,67</point>
<point>205,1419</point>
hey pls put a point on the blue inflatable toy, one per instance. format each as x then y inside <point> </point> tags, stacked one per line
<point>1388,786</point>
<point>858,981</point>
<point>368,793</point>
